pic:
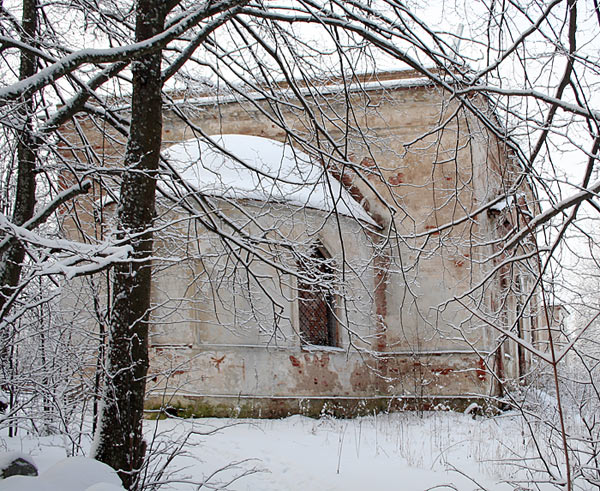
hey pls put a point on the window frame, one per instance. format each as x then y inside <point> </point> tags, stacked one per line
<point>318,255</point>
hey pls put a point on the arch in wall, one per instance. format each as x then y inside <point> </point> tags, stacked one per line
<point>316,301</point>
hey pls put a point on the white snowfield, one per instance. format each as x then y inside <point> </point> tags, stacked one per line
<point>407,451</point>
<point>252,167</point>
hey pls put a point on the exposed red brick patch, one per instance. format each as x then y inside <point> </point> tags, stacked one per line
<point>381,280</point>
<point>217,361</point>
<point>346,177</point>
<point>367,162</point>
<point>361,378</point>
<point>316,372</point>
<point>481,370</point>
<point>396,179</point>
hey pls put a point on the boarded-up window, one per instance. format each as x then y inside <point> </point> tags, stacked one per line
<point>316,302</point>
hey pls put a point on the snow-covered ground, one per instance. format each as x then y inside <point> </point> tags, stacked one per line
<point>402,451</point>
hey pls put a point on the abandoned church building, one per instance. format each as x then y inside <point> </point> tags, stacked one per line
<point>338,265</point>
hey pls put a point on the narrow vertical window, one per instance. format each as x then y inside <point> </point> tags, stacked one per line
<point>316,311</point>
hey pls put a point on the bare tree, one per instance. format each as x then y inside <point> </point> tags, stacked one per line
<point>119,439</point>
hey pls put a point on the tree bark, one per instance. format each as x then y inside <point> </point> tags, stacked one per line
<point>11,258</point>
<point>119,439</point>
<point>24,202</point>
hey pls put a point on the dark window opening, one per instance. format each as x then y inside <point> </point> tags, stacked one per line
<point>316,310</point>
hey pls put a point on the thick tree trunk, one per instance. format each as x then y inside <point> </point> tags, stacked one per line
<point>119,439</point>
<point>24,203</point>
<point>11,259</point>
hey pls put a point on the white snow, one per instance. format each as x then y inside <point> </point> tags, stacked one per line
<point>402,451</point>
<point>264,170</point>
<point>405,451</point>
<point>71,474</point>
<point>68,260</point>
<point>505,203</point>
<point>322,90</point>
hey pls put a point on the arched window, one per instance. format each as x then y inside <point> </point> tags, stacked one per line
<point>316,309</point>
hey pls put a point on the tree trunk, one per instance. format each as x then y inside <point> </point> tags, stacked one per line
<point>24,203</point>
<point>11,259</point>
<point>119,439</point>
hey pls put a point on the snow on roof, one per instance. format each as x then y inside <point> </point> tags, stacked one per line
<point>339,88</point>
<point>261,169</point>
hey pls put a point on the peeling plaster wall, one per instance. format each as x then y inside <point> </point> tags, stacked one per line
<point>419,351</point>
<point>398,338</point>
